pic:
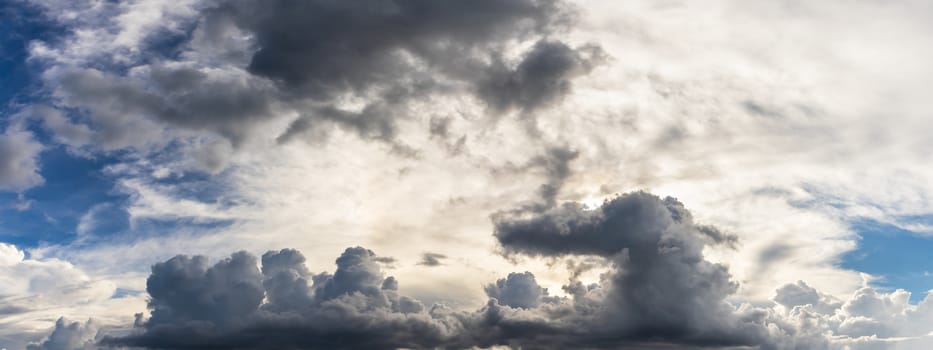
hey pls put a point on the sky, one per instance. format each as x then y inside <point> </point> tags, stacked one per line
<point>246,174</point>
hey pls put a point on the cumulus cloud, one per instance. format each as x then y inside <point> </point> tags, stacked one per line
<point>69,336</point>
<point>660,286</point>
<point>30,284</point>
<point>660,292</point>
<point>34,292</point>
<point>799,294</point>
<point>518,290</point>
<point>277,302</point>
<point>196,305</point>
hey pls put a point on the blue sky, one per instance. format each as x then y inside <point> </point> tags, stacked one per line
<point>901,258</point>
<point>136,131</point>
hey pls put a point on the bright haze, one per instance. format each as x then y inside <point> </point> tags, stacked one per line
<point>447,174</point>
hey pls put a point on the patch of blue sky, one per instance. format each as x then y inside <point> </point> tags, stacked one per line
<point>50,213</point>
<point>79,197</point>
<point>21,24</point>
<point>902,259</point>
<point>122,293</point>
<point>78,194</point>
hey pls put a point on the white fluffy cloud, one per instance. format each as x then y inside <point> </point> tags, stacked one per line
<point>34,293</point>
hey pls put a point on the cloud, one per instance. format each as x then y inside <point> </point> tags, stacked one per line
<point>310,66</point>
<point>69,336</point>
<point>660,286</point>
<point>221,306</point>
<point>431,259</point>
<point>798,294</point>
<point>868,319</point>
<point>26,278</point>
<point>19,160</point>
<point>542,77</point>
<point>659,292</point>
<point>34,292</point>
<point>518,290</point>
<point>58,124</point>
<point>362,46</point>
<point>276,302</point>
<point>554,163</point>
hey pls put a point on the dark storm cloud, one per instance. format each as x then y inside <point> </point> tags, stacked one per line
<point>310,57</point>
<point>431,259</point>
<point>659,292</point>
<point>660,286</point>
<point>194,305</point>
<point>325,47</point>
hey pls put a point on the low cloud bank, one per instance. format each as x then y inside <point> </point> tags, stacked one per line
<point>659,292</point>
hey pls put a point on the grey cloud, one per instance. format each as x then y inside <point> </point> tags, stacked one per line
<point>185,290</point>
<point>326,47</point>
<point>431,259</point>
<point>69,336</point>
<point>440,126</point>
<point>660,286</point>
<point>286,280</point>
<point>239,304</point>
<point>387,260</point>
<point>660,292</point>
<point>375,121</point>
<point>799,294</point>
<point>221,306</point>
<point>555,165</point>
<point>519,290</point>
<point>123,109</point>
<point>390,52</point>
<point>19,163</point>
<point>542,77</point>
<point>357,273</point>
<point>440,130</point>
<point>212,156</point>
<point>717,236</point>
<point>309,58</point>
<point>58,124</point>
<point>639,220</point>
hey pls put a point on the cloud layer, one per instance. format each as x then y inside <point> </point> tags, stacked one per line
<point>658,292</point>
